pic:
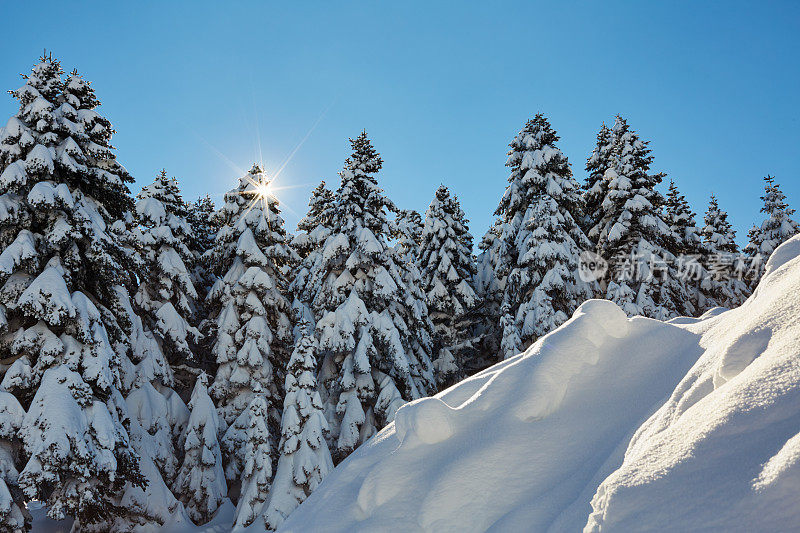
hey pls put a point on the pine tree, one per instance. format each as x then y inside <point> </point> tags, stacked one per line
<point>63,323</point>
<point>14,516</point>
<point>775,230</point>
<point>257,469</point>
<point>201,481</point>
<point>596,186</point>
<point>407,229</point>
<point>253,329</point>
<point>372,332</point>
<point>167,296</point>
<point>448,269</point>
<point>633,235</point>
<point>540,240</point>
<point>204,226</point>
<point>157,418</point>
<point>687,247</point>
<point>304,456</point>
<point>489,287</point>
<point>315,227</point>
<point>724,286</point>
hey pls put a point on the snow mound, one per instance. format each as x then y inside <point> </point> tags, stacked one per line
<point>607,423</point>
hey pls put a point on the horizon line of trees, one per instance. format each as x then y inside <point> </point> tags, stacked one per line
<point>292,350</point>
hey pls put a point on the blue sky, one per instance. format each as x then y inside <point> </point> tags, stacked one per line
<point>441,88</point>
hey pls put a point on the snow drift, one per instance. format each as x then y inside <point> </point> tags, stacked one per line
<point>608,423</point>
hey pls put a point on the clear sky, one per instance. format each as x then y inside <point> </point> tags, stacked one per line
<point>441,88</point>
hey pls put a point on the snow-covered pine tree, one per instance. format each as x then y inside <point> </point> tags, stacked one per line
<point>407,229</point>
<point>250,310</point>
<point>633,235</point>
<point>166,293</point>
<point>596,186</point>
<point>314,228</point>
<point>776,229</point>
<point>157,417</point>
<point>62,273</point>
<point>724,287</point>
<point>201,482</point>
<point>489,288</point>
<point>304,455</point>
<point>257,469</point>
<point>204,226</point>
<point>448,269</point>
<point>14,516</point>
<point>316,225</point>
<point>540,240</point>
<point>372,335</point>
<point>687,246</point>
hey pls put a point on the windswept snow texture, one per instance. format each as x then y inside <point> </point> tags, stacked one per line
<point>608,423</point>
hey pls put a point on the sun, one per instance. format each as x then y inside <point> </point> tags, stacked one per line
<point>263,189</point>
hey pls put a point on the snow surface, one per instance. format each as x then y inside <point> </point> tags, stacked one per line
<point>608,423</point>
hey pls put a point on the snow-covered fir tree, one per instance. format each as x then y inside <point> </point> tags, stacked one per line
<point>257,469</point>
<point>777,228</point>
<point>448,269</point>
<point>315,227</point>
<point>201,482</point>
<point>725,286</point>
<point>204,226</point>
<point>373,335</point>
<point>596,186</point>
<point>304,456</point>
<point>489,287</point>
<point>14,515</point>
<point>166,294</point>
<point>63,323</point>
<point>540,241</point>
<point>407,232</point>
<point>157,418</point>
<point>632,234</point>
<point>687,246</point>
<point>407,229</point>
<point>250,310</point>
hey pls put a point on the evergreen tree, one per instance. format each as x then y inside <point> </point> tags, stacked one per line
<point>724,287</point>
<point>687,246</point>
<point>633,235</point>
<point>775,230</point>
<point>314,228</point>
<point>201,481</point>
<point>373,334</point>
<point>166,295</point>
<point>257,469</point>
<point>204,226</point>
<point>596,186</point>
<point>304,456</point>
<point>63,323</point>
<point>540,240</point>
<point>489,287</point>
<point>448,269</point>
<point>14,516</point>
<point>250,310</point>
<point>408,232</point>
<point>316,225</point>
<point>157,418</point>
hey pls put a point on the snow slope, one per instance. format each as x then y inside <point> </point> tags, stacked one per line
<point>608,423</point>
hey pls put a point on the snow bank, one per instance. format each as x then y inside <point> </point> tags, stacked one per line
<point>607,423</point>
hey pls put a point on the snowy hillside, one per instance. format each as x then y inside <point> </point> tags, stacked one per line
<point>608,423</point>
